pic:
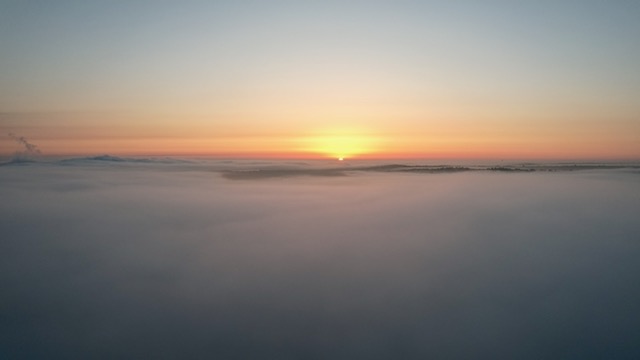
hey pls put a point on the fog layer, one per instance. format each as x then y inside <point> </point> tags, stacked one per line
<point>183,260</point>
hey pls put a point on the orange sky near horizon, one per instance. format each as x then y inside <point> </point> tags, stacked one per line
<point>447,141</point>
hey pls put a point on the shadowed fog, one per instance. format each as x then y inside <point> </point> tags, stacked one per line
<point>108,258</point>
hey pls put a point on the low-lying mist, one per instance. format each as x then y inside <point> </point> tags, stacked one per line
<point>192,259</point>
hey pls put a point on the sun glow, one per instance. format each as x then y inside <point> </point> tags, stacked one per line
<point>340,146</point>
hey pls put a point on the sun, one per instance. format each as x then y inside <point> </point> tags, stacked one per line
<point>339,146</point>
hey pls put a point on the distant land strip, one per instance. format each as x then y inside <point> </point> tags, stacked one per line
<point>401,168</point>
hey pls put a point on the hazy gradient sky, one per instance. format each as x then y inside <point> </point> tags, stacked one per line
<point>493,79</point>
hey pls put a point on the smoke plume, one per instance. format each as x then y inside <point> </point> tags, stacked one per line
<point>29,148</point>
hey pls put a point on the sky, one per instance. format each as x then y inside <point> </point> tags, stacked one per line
<point>418,79</point>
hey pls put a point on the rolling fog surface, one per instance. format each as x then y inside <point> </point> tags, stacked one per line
<point>163,259</point>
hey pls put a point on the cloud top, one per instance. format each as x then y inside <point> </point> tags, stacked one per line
<point>175,260</point>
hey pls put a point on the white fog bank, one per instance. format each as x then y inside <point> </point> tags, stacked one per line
<point>191,259</point>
